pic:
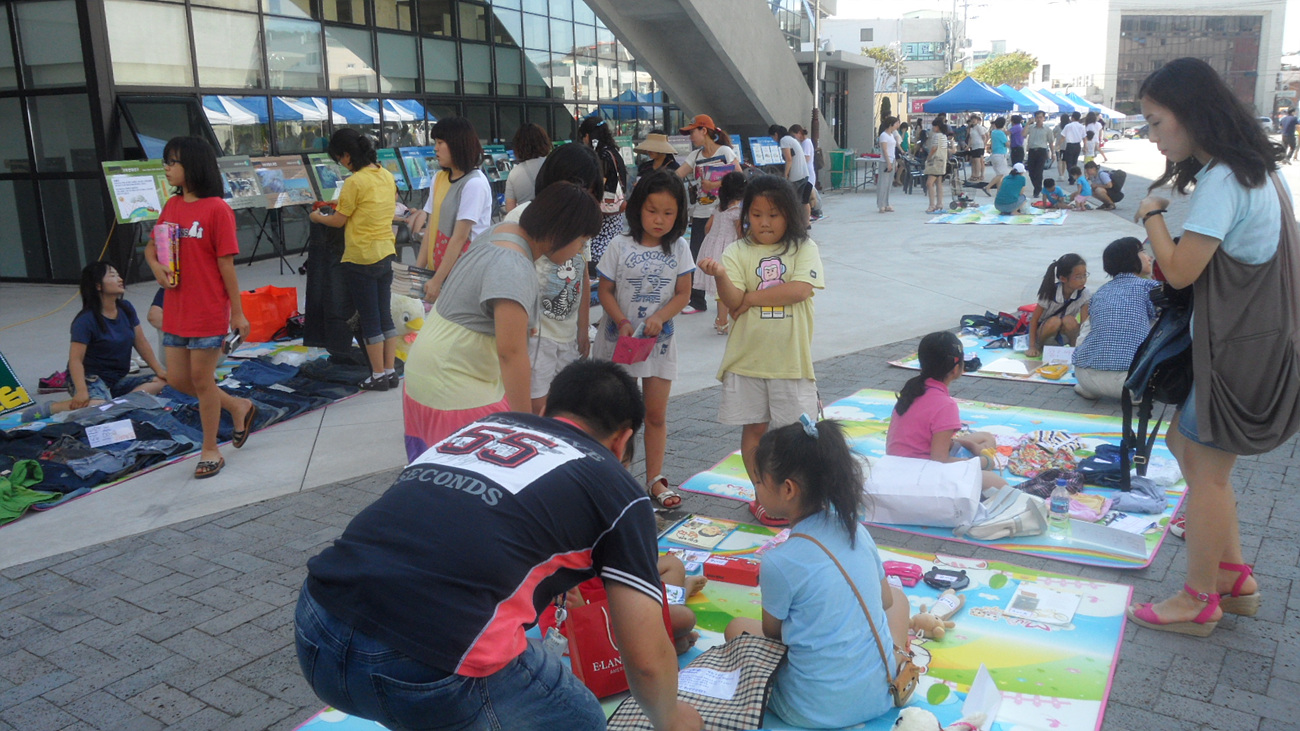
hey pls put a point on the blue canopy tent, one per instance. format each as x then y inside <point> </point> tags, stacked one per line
<point>226,110</point>
<point>414,107</point>
<point>1023,103</point>
<point>356,111</point>
<point>969,95</point>
<point>625,112</point>
<point>1062,104</point>
<point>1043,104</point>
<point>1079,101</point>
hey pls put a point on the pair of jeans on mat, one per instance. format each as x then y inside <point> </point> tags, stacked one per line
<point>361,676</point>
<point>371,286</point>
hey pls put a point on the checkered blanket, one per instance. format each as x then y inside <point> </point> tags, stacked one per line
<point>756,658</point>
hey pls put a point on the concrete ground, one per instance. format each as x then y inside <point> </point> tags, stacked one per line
<point>167,602</point>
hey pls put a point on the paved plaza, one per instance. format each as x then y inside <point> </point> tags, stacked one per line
<point>134,609</point>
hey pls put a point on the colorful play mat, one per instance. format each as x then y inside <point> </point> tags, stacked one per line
<point>987,215</point>
<point>1003,363</point>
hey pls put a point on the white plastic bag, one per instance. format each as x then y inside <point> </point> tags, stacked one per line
<point>906,491</point>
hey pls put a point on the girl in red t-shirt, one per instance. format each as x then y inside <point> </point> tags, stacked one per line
<point>201,303</point>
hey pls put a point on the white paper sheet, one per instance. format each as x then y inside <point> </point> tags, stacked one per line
<point>110,433</point>
<point>1006,365</point>
<point>1058,354</point>
<point>712,683</point>
<point>984,697</point>
<point>1111,538</point>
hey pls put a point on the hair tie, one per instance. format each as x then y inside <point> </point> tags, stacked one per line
<point>809,426</point>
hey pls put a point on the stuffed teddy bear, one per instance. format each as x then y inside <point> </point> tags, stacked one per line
<point>926,625</point>
<point>919,719</point>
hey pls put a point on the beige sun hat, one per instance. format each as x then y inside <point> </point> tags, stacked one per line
<point>655,143</point>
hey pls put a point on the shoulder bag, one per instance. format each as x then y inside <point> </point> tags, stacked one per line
<point>905,675</point>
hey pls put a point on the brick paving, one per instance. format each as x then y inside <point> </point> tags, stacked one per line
<point>191,626</point>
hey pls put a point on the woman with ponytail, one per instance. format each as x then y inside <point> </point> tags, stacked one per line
<point>365,213</point>
<point>834,675</point>
<point>926,421</point>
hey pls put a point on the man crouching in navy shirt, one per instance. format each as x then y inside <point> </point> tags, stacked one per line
<point>415,617</point>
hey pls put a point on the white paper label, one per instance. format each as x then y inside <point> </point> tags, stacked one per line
<point>110,433</point>
<point>1058,354</point>
<point>707,682</point>
<point>280,387</point>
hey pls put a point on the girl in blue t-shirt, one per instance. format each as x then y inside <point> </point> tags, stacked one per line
<point>834,675</point>
<point>103,334</point>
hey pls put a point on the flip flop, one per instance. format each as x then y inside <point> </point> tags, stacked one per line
<point>208,468</point>
<point>238,437</point>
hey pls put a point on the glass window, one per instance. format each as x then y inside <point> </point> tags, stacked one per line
<point>584,71</point>
<point>509,27</point>
<point>473,22</point>
<point>51,42</point>
<point>300,125</point>
<point>509,119</point>
<point>514,4</point>
<point>560,77</point>
<point>536,32</point>
<point>509,78</point>
<point>293,55</point>
<point>404,124</point>
<point>351,59</point>
<point>359,114</point>
<point>74,224</point>
<point>13,143</point>
<point>583,13</point>
<point>434,16</point>
<point>536,68</point>
<point>62,133</point>
<point>393,14</point>
<point>606,45</point>
<point>541,116</point>
<point>480,115</point>
<point>536,6</point>
<point>398,68</point>
<point>440,68</point>
<point>561,36</point>
<point>442,111</point>
<point>229,4</point>
<point>562,9</point>
<point>22,253</point>
<point>477,62</point>
<point>149,43</point>
<point>228,48</point>
<point>345,11</point>
<point>8,71</point>
<point>158,119</point>
<point>292,8</point>
<point>240,123</point>
<point>584,39</point>
<point>566,122</point>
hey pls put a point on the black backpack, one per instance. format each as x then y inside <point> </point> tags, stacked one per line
<point>1161,371</point>
<point>1117,178</point>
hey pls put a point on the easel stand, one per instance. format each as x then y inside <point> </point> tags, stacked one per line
<point>270,227</point>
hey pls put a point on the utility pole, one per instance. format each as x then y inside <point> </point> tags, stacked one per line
<point>817,53</point>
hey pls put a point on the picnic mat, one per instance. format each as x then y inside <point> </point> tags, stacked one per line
<point>866,416</point>
<point>1015,366</point>
<point>987,215</point>
<point>1054,676</point>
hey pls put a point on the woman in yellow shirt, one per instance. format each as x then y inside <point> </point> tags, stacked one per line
<point>365,213</point>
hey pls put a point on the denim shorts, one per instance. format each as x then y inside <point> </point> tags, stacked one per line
<point>101,391</point>
<point>364,677</point>
<point>1187,420</point>
<point>177,341</point>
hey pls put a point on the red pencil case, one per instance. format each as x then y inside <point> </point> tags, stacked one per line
<point>908,573</point>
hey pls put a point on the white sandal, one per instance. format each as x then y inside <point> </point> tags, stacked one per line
<point>664,497</point>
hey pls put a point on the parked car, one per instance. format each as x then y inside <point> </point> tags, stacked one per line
<point>1137,133</point>
<point>1268,124</point>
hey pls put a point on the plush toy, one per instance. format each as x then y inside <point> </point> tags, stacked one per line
<point>926,625</point>
<point>408,318</point>
<point>950,602</point>
<point>919,719</point>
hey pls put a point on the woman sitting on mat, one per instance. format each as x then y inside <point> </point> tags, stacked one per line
<point>1062,307</point>
<point>834,675</point>
<point>926,422</point>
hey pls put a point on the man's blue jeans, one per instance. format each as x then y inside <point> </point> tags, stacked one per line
<point>361,676</point>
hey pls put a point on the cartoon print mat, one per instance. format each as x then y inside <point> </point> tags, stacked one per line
<point>866,416</point>
<point>975,346</point>
<point>1050,676</point>
<point>987,215</point>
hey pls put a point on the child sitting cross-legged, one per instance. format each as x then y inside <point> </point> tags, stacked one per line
<point>926,423</point>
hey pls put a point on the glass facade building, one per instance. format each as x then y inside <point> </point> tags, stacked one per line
<point>86,81</point>
<point>1229,43</point>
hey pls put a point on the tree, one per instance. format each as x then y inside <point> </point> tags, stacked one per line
<point>889,65</point>
<point>951,79</point>
<point>1010,68</point>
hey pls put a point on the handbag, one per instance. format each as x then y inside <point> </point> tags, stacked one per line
<point>267,309</point>
<point>630,349</point>
<point>908,491</point>
<point>906,675</point>
<point>756,659</point>
<point>593,653</point>
<point>1161,371</point>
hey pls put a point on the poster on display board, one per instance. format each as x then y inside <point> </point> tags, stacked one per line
<point>241,188</point>
<point>765,151</point>
<point>681,143</point>
<point>625,145</point>
<point>12,393</point>
<point>139,189</point>
<point>388,161</point>
<point>329,175</point>
<point>421,164</point>
<point>284,181</point>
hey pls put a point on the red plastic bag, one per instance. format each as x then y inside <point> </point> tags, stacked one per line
<point>268,309</point>
<point>631,350</point>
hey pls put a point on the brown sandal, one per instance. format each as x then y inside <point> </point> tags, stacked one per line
<point>208,468</point>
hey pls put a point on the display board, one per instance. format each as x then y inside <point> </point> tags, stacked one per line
<point>284,181</point>
<point>12,393</point>
<point>327,174</point>
<point>239,182</point>
<point>139,189</point>
<point>421,164</point>
<point>681,143</point>
<point>388,160</point>
<point>765,151</point>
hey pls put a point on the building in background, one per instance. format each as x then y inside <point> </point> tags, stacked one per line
<point>927,41</point>
<point>1242,41</point>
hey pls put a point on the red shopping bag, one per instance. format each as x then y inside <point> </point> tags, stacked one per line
<point>267,309</point>
<point>631,350</point>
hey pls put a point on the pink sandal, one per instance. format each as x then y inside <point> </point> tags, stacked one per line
<point>1145,615</point>
<point>1246,605</point>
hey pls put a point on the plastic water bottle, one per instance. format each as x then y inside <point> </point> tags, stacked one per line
<point>1058,511</point>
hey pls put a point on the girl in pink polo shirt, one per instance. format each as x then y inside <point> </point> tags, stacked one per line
<point>926,422</point>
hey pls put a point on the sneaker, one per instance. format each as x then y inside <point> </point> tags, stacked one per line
<point>1178,527</point>
<point>53,383</point>
<point>693,310</point>
<point>374,384</point>
<point>394,380</point>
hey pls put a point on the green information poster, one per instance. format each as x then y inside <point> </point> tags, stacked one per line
<point>328,174</point>
<point>389,161</point>
<point>139,189</point>
<point>12,393</point>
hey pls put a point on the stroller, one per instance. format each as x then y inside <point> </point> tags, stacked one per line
<point>913,172</point>
<point>956,175</point>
